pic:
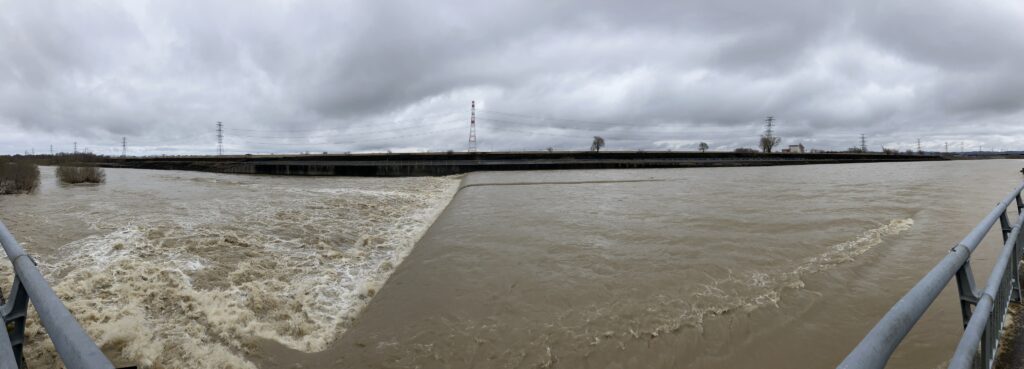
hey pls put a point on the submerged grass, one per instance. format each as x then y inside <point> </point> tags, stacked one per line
<point>72,175</point>
<point>18,177</point>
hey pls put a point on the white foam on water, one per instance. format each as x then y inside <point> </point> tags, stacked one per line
<point>197,290</point>
<point>750,291</point>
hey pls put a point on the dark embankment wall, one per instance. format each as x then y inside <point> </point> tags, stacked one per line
<point>435,164</point>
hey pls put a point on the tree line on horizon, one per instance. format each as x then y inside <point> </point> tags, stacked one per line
<point>767,143</point>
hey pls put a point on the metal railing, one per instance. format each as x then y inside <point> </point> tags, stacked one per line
<point>75,348</point>
<point>983,310</point>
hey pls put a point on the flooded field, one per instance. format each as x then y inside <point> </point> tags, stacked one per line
<point>678,268</point>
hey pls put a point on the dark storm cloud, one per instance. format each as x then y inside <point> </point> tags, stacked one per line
<point>362,75</point>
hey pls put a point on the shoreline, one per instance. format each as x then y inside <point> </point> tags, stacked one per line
<point>451,163</point>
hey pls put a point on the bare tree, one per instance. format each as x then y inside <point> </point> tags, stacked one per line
<point>703,147</point>
<point>769,142</point>
<point>597,144</point>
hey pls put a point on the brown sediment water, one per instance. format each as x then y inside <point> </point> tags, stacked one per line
<point>710,268</point>
<point>189,270</point>
<point>769,267</point>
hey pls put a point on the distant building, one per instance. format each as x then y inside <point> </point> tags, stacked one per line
<point>795,149</point>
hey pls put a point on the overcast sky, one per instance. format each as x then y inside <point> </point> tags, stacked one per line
<point>288,76</point>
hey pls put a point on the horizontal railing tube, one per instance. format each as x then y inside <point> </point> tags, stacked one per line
<point>74,346</point>
<point>879,344</point>
<point>973,333</point>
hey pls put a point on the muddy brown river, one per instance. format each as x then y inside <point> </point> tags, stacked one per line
<point>770,267</point>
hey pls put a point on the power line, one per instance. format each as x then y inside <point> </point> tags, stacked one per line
<point>581,136</point>
<point>549,118</point>
<point>349,133</point>
<point>176,140</point>
<point>373,136</point>
<point>535,133</point>
<point>373,123</point>
<point>605,130</point>
<point>630,135</point>
<point>416,134</point>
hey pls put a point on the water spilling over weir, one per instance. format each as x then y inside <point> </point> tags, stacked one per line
<point>182,269</point>
<point>693,268</point>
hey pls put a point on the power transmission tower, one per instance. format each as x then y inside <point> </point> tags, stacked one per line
<point>863,143</point>
<point>76,147</point>
<point>947,147</point>
<point>768,140</point>
<point>124,147</point>
<point>472,126</point>
<point>51,149</point>
<point>919,146</point>
<point>961,147</point>
<point>220,139</point>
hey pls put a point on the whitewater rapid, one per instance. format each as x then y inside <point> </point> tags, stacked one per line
<point>169,281</point>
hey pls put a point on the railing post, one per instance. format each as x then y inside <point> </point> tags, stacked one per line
<point>987,344</point>
<point>968,295</point>
<point>1004,225</point>
<point>75,348</point>
<point>14,311</point>
<point>1015,294</point>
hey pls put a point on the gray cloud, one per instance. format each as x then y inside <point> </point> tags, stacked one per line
<point>361,75</point>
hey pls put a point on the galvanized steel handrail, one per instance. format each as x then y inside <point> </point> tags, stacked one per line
<point>876,348</point>
<point>987,318</point>
<point>74,346</point>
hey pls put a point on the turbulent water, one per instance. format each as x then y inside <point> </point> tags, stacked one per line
<point>191,270</point>
<point>678,268</point>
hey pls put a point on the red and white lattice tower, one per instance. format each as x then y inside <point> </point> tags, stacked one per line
<point>472,126</point>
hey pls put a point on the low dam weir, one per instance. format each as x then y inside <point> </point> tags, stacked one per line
<point>441,164</point>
